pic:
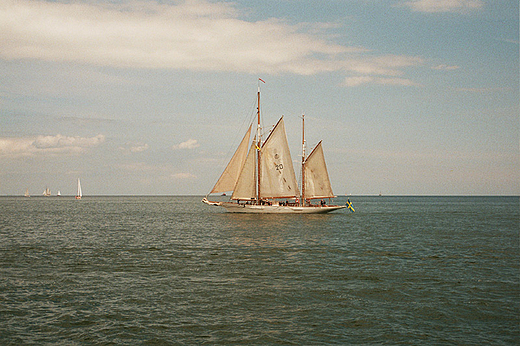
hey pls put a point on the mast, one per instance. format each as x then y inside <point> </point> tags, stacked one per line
<point>258,143</point>
<point>303,160</point>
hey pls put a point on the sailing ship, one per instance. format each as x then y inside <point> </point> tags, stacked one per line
<point>47,192</point>
<point>58,194</point>
<point>27,193</point>
<point>79,194</point>
<point>262,179</point>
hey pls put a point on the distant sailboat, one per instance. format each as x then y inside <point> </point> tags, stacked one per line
<point>59,193</point>
<point>47,192</point>
<point>27,193</point>
<point>78,193</point>
<point>263,175</point>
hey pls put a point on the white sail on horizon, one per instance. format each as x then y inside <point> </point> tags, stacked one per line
<point>79,194</point>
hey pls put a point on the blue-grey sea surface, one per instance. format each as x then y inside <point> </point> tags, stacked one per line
<point>173,271</point>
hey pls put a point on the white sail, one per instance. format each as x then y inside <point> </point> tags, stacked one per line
<point>277,173</point>
<point>79,194</point>
<point>317,183</point>
<point>229,177</point>
<point>245,187</point>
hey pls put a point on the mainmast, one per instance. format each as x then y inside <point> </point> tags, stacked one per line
<point>303,161</point>
<point>258,144</point>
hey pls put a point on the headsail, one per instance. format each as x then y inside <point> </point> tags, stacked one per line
<point>317,182</point>
<point>229,177</point>
<point>277,173</point>
<point>245,187</point>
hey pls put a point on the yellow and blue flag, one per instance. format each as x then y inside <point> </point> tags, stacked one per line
<point>349,206</point>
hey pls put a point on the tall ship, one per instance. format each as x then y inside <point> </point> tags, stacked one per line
<point>262,179</point>
<point>47,192</point>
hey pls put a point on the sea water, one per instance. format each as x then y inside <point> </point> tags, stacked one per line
<point>173,271</point>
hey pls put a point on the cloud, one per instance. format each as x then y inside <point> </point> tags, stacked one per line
<point>444,67</point>
<point>191,35</point>
<point>483,90</point>
<point>509,40</point>
<point>16,146</point>
<point>432,6</point>
<point>183,176</point>
<point>360,80</point>
<point>382,70</point>
<point>189,144</point>
<point>58,144</point>
<point>140,167</point>
<point>134,147</point>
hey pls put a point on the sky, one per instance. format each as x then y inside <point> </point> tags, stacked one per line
<point>410,97</point>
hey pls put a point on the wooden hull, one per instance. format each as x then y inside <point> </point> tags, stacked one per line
<point>273,209</point>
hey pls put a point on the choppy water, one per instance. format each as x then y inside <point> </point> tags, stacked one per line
<point>170,270</point>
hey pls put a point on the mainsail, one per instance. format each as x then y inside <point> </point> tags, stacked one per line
<point>229,177</point>
<point>277,173</point>
<point>317,182</point>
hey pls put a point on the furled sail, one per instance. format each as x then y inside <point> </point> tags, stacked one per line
<point>277,173</point>
<point>229,177</point>
<point>317,183</point>
<point>245,187</point>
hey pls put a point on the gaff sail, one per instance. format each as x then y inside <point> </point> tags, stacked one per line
<point>317,182</point>
<point>277,173</point>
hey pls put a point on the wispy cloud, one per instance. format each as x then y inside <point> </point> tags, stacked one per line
<point>183,176</point>
<point>432,6</point>
<point>189,144</point>
<point>58,144</point>
<point>509,40</point>
<point>192,35</point>
<point>360,80</point>
<point>444,67</point>
<point>382,70</point>
<point>140,167</point>
<point>483,90</point>
<point>134,147</point>
<point>162,172</point>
